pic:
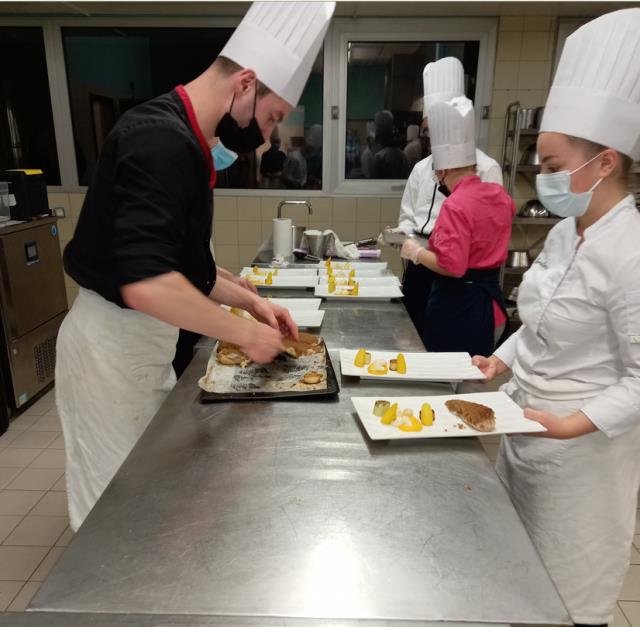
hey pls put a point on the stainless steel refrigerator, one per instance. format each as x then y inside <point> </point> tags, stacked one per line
<point>33,303</point>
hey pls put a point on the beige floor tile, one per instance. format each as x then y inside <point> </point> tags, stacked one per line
<point>49,422</point>
<point>60,485</point>
<point>18,502</point>
<point>8,591</point>
<point>37,531</point>
<point>619,618</point>
<point>41,406</point>
<point>7,438</point>
<point>48,563</point>
<point>635,555</point>
<point>631,611</point>
<point>34,439</point>
<point>7,475</point>
<point>7,525</point>
<point>65,538</point>
<point>18,457</point>
<point>51,504</point>
<point>18,563</point>
<point>36,479</point>
<point>49,458</point>
<point>58,443</point>
<point>24,597</point>
<point>23,422</point>
<point>631,588</point>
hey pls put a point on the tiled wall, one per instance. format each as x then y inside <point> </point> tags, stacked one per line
<point>523,70</point>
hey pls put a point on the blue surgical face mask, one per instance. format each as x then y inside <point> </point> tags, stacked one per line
<point>554,192</point>
<point>222,156</point>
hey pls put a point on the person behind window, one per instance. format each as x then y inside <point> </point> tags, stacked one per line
<point>313,156</point>
<point>272,164</point>
<point>413,149</point>
<point>389,162</point>
<point>465,310</point>
<point>575,361</point>
<point>294,170</point>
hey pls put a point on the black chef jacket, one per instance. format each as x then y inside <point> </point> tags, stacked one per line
<point>148,210</point>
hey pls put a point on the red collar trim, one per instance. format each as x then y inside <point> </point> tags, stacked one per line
<point>195,127</point>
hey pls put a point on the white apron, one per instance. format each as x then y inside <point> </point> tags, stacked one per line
<point>113,371</point>
<point>577,498</point>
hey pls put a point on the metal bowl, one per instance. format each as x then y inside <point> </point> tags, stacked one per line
<point>533,209</point>
<point>518,259</point>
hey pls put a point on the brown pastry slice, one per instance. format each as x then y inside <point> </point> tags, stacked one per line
<point>312,377</point>
<point>230,355</point>
<point>478,417</point>
<point>307,344</point>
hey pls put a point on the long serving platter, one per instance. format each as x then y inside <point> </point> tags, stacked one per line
<point>452,367</point>
<point>509,416</point>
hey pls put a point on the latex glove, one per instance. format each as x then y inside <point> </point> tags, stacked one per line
<point>410,250</point>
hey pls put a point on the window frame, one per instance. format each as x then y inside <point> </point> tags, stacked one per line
<point>343,30</point>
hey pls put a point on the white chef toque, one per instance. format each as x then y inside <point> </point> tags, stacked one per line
<point>595,93</point>
<point>452,131</point>
<point>442,81</point>
<point>280,41</point>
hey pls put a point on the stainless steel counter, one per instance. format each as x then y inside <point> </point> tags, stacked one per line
<point>271,511</point>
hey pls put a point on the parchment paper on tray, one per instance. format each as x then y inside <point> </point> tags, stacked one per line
<point>282,375</point>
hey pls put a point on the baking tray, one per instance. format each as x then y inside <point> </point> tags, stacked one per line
<point>332,388</point>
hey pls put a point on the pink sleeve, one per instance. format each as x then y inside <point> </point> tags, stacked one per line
<point>451,238</point>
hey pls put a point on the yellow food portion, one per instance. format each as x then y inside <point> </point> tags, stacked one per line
<point>415,425</point>
<point>380,407</point>
<point>269,279</point>
<point>401,367</point>
<point>257,270</point>
<point>327,263</point>
<point>378,367</point>
<point>331,285</point>
<point>390,415</point>
<point>352,274</point>
<point>360,359</point>
<point>426,415</point>
<point>355,291</point>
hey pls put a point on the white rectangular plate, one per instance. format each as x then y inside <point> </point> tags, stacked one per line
<point>509,417</point>
<point>295,282</point>
<point>359,273</point>
<point>297,303</point>
<point>377,281</point>
<point>420,366</point>
<point>386,292</point>
<point>355,265</point>
<point>307,318</point>
<point>311,271</point>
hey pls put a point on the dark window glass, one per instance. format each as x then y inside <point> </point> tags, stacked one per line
<point>27,137</point>
<point>110,70</point>
<point>384,137</point>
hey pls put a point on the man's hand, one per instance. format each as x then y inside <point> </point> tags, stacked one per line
<point>245,283</point>
<point>490,367</point>
<point>262,343</point>
<point>571,426</point>
<point>275,316</point>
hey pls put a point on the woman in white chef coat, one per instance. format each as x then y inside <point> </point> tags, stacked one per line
<point>576,359</point>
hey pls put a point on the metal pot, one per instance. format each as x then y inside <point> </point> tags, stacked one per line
<point>530,156</point>
<point>518,259</point>
<point>533,209</point>
<point>528,117</point>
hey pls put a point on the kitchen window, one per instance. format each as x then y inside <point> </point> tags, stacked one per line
<point>109,70</point>
<point>377,94</point>
<point>27,137</point>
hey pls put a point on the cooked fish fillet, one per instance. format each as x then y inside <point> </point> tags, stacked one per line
<point>478,417</point>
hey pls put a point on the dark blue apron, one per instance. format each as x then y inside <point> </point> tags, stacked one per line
<point>416,285</point>
<point>459,313</point>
